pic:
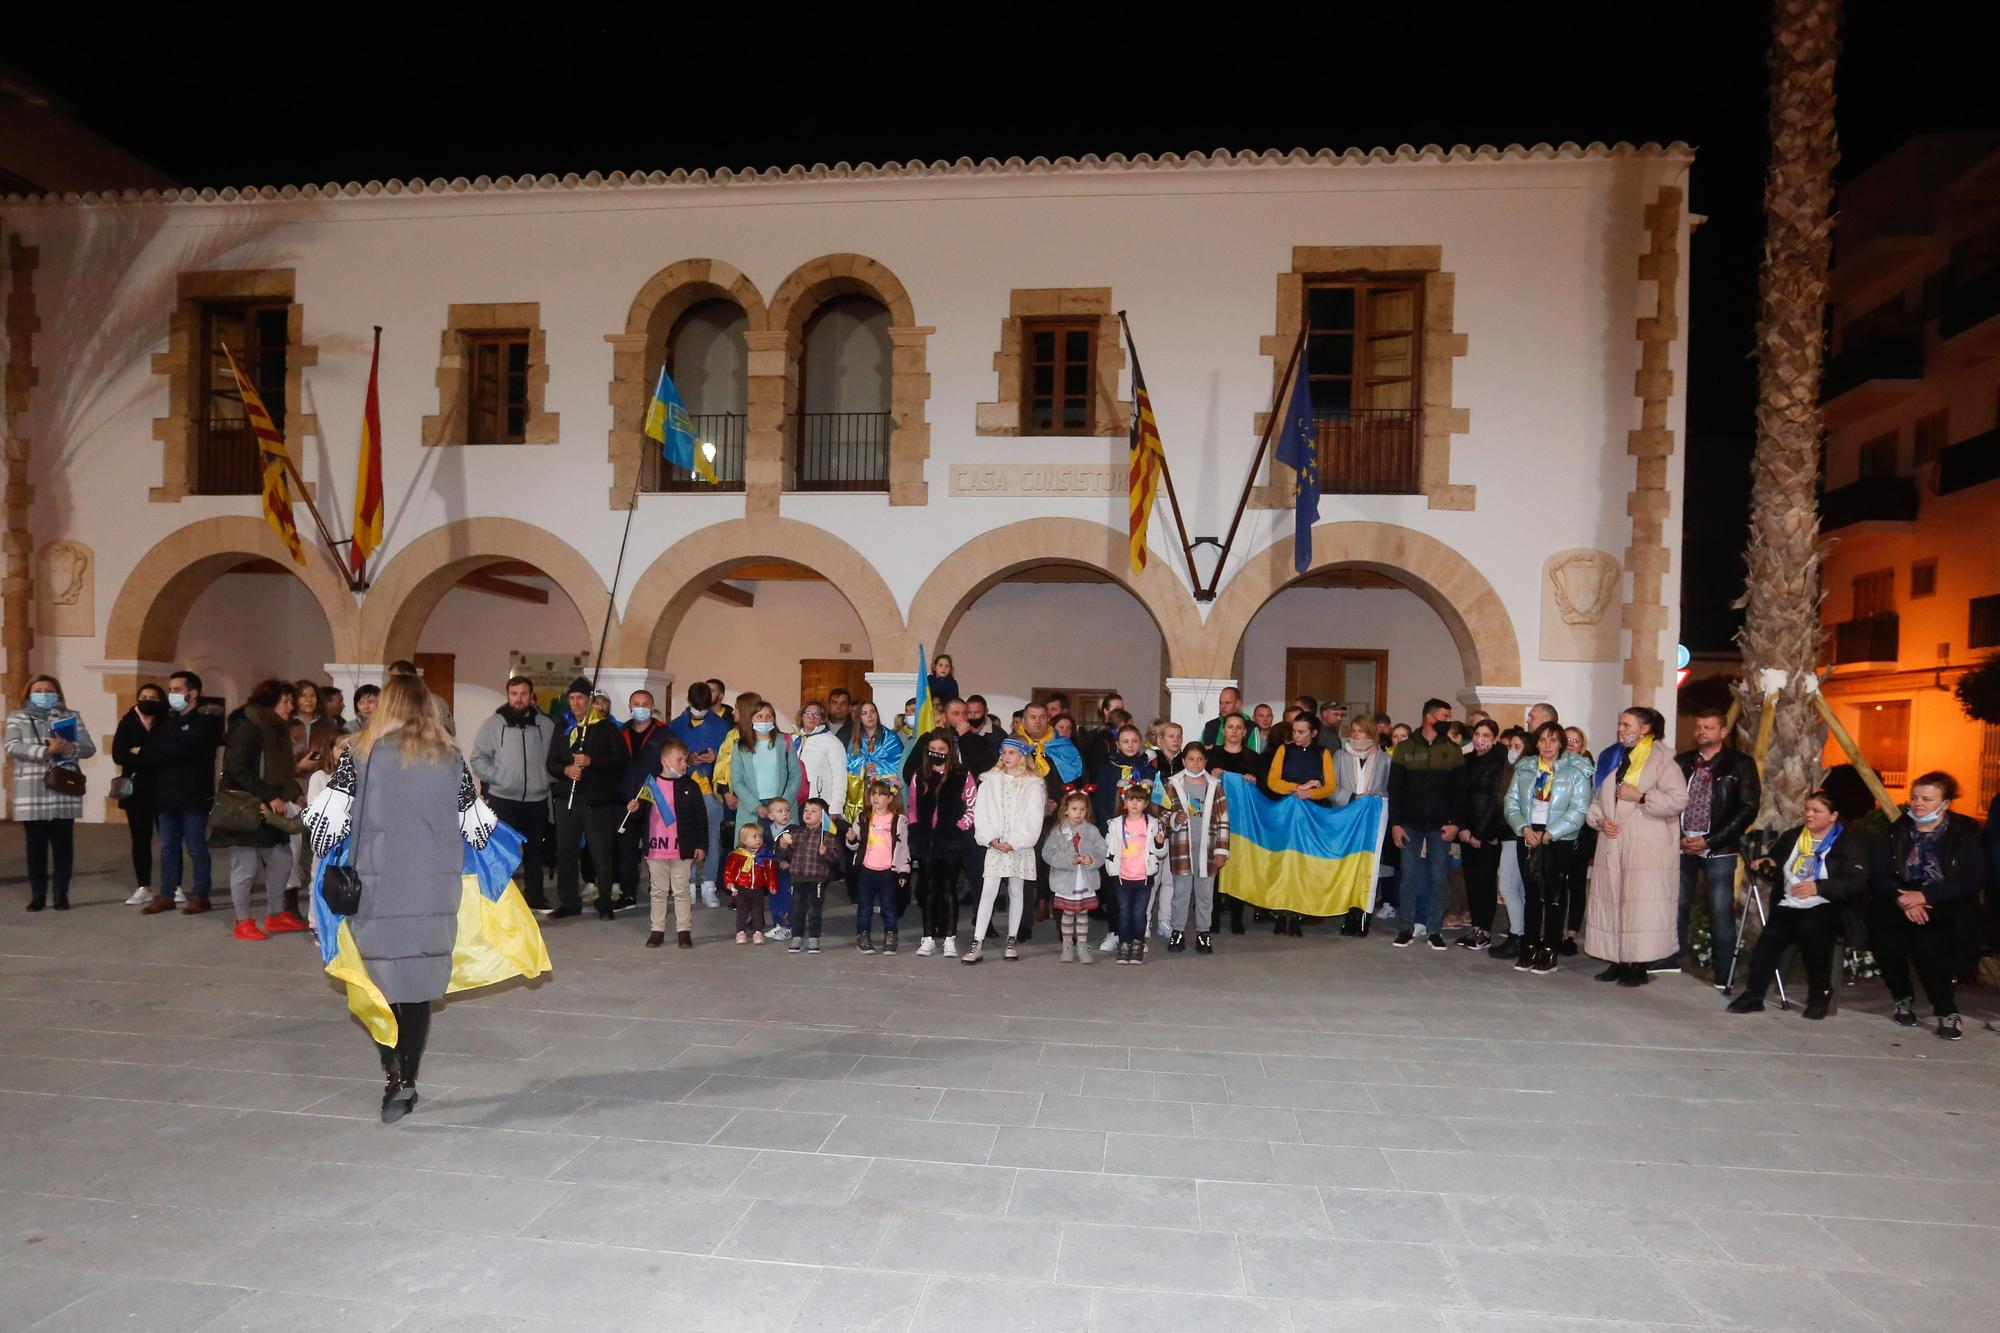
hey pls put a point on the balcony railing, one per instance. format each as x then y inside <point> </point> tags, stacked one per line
<point>1874,639</point>
<point>1969,462</point>
<point>225,458</point>
<point>1369,451</point>
<point>843,451</point>
<point>724,430</point>
<point>1888,355</point>
<point>1969,302</point>
<point>1872,499</point>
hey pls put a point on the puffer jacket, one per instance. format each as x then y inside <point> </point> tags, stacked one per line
<point>510,754</point>
<point>1423,781</point>
<point>1569,801</point>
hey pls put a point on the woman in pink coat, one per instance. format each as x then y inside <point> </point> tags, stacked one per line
<point>1636,885</point>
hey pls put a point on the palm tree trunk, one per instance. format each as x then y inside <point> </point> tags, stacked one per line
<point>1781,627</point>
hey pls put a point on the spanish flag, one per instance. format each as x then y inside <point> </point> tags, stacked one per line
<point>1296,856</point>
<point>272,460</point>
<point>1149,455</point>
<point>368,472</point>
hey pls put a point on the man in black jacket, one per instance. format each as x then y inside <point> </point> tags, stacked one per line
<point>180,749</point>
<point>1723,796</point>
<point>1423,796</point>
<point>587,765</point>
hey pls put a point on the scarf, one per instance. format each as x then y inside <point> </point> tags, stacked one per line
<point>1809,861</point>
<point>1634,762</point>
<point>1545,779</point>
<point>590,717</point>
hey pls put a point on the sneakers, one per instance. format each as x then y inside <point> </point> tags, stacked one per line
<point>1138,952</point>
<point>864,943</point>
<point>1204,942</point>
<point>283,923</point>
<point>798,945</point>
<point>1906,1013</point>
<point>1949,1028</point>
<point>1436,942</point>
<point>889,942</point>
<point>1069,951</point>
<point>1010,953</point>
<point>1508,947</point>
<point>1124,954</point>
<point>742,937</point>
<point>756,937</point>
<point>708,898</point>
<point>972,954</point>
<point>1177,942</point>
<point>1527,956</point>
<point>1403,937</point>
<point>180,897</point>
<point>1387,911</point>
<point>140,897</point>
<point>247,930</point>
<point>779,932</point>
<point>812,944</point>
<point>1110,944</point>
<point>1084,953</point>
<point>1545,962</point>
<point>1746,1003</point>
<point>951,946</point>
<point>655,938</point>
<point>1474,939</point>
<point>926,947</point>
<point>1569,947</point>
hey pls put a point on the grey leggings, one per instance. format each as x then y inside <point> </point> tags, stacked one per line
<point>1201,890</point>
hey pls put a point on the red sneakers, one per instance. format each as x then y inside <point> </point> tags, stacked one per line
<point>247,930</point>
<point>281,922</point>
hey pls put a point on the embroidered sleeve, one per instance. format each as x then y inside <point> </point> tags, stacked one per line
<point>327,817</point>
<point>475,818</point>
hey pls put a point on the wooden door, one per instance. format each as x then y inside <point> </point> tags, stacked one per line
<point>440,676</point>
<point>821,676</point>
<point>1357,677</point>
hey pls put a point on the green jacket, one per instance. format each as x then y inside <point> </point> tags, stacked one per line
<point>1423,781</point>
<point>1569,801</point>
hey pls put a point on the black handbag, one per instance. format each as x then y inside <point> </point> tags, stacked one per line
<point>340,886</point>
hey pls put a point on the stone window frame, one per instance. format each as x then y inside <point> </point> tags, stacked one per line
<point>1111,415</point>
<point>1438,345</point>
<point>454,372</point>
<point>177,431</point>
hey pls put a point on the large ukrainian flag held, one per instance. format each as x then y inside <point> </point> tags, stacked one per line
<point>668,422</point>
<point>1295,856</point>
<point>498,937</point>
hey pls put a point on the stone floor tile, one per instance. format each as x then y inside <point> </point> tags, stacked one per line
<point>1074,1196</point>
<point>1048,1149</point>
<point>805,1233</point>
<point>1150,1260</point>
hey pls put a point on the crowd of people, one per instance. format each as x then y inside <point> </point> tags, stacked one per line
<point>1065,820</point>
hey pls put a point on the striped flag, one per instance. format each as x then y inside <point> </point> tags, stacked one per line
<point>271,459</point>
<point>1148,457</point>
<point>368,472</point>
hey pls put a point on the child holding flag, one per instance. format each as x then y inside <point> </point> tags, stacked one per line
<point>676,836</point>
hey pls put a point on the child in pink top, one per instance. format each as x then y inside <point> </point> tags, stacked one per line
<point>1136,843</point>
<point>882,866</point>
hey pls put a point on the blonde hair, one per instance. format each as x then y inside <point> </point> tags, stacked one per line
<point>406,710</point>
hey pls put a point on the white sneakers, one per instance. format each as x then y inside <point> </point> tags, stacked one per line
<point>1110,944</point>
<point>927,948</point>
<point>140,897</point>
<point>950,946</point>
<point>180,897</point>
<point>778,933</point>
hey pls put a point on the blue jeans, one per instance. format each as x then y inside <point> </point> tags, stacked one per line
<point>1720,871</point>
<point>1133,895</point>
<point>872,889</point>
<point>1425,872</point>
<point>184,828</point>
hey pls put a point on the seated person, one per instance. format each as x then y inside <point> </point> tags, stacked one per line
<point>1820,873</point>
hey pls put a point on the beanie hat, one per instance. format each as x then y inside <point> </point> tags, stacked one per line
<point>581,685</point>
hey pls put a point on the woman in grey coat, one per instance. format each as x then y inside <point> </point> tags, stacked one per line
<point>46,734</point>
<point>402,792</point>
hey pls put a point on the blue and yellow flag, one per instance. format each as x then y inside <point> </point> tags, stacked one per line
<point>1294,856</point>
<point>498,936</point>
<point>1298,449</point>
<point>926,706</point>
<point>667,421</point>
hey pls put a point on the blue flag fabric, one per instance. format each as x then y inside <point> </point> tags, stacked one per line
<point>1298,449</point>
<point>1299,856</point>
<point>668,422</point>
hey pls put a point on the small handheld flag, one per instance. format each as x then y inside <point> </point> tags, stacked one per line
<point>668,422</point>
<point>1298,449</point>
<point>271,460</point>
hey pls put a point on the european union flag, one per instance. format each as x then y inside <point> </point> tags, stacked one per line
<point>1298,449</point>
<point>667,421</point>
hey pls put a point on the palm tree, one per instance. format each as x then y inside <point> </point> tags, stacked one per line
<point>1781,628</point>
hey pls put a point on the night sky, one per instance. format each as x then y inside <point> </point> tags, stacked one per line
<point>274,97</point>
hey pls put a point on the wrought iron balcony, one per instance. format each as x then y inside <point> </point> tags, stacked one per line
<point>1369,451</point>
<point>843,451</point>
<point>1874,639</point>
<point>724,430</point>
<point>1870,500</point>
<point>1969,462</point>
<point>1887,355</point>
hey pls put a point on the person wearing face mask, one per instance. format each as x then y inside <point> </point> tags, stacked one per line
<point>942,796</point>
<point>764,767</point>
<point>179,751</point>
<point>676,839</point>
<point>643,734</point>
<point>43,736</point>
<point>1481,790</point>
<point>1635,889</point>
<point>702,728</point>
<point>1930,872</point>
<point>509,756</point>
<point>906,724</point>
<point>1514,744</point>
<point>1361,768</point>
<point>1823,871</point>
<point>135,789</point>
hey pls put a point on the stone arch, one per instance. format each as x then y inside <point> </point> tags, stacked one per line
<point>416,579</point>
<point>774,376</point>
<point>145,623</point>
<point>662,594</point>
<point>667,295</point>
<point>962,577</point>
<point>1488,649</point>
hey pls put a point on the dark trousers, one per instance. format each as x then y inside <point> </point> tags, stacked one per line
<point>139,821</point>
<point>576,825</point>
<point>530,819</point>
<point>1899,942</point>
<point>632,851</point>
<point>49,838</point>
<point>808,908</point>
<point>1482,881</point>
<point>1548,877</point>
<point>1134,896</point>
<point>1811,928</point>
<point>1719,872</point>
<point>184,828</point>
<point>750,909</point>
<point>937,895</point>
<point>873,889</point>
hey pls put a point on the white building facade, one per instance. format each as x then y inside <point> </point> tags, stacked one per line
<point>918,391</point>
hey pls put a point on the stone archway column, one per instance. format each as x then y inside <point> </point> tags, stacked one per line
<point>1509,704</point>
<point>351,676</point>
<point>619,682</point>
<point>1191,701</point>
<point>773,371</point>
<point>891,688</point>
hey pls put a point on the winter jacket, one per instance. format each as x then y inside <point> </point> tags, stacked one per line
<point>1114,846</point>
<point>941,813</point>
<point>128,744</point>
<point>1423,781</point>
<point>180,751</point>
<point>510,755</point>
<point>1204,840</point>
<point>1569,799</point>
<point>603,780</point>
<point>1734,795</point>
<point>899,841</point>
<point>28,736</point>
<point>257,758</point>
<point>1482,795</point>
<point>1846,883</point>
<point>643,749</point>
<point>1009,808</point>
<point>1959,855</point>
<point>744,871</point>
<point>690,812</point>
<point>943,689</point>
<point>824,761</point>
<point>1060,849</point>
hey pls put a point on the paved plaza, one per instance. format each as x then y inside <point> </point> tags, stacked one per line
<point>1295,1135</point>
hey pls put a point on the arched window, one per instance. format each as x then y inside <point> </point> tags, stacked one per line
<point>843,423</point>
<point>707,358</point>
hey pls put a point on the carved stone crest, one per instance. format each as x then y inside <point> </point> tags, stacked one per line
<point>65,589</point>
<point>1579,595</point>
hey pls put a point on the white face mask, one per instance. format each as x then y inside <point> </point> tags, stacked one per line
<point>697,714</point>
<point>642,715</point>
<point>44,699</point>
<point>177,702</point>
<point>762,728</point>
<point>1927,819</point>
<point>670,774</point>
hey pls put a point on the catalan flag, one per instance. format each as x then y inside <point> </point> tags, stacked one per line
<point>1296,856</point>
<point>368,472</point>
<point>668,422</point>
<point>271,458</point>
<point>1148,457</point>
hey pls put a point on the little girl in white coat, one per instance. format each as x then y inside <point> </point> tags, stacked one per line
<point>1006,821</point>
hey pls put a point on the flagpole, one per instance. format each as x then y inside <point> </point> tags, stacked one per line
<point>1166,470</point>
<point>1270,420</point>
<point>325,535</point>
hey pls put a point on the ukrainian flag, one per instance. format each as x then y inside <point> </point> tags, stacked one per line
<point>498,937</point>
<point>668,423</point>
<point>1295,856</point>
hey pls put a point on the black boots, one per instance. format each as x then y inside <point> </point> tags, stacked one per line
<point>398,1096</point>
<point>1508,946</point>
<point>1635,975</point>
<point>1816,1004</point>
<point>1204,942</point>
<point>1615,972</point>
<point>1749,1002</point>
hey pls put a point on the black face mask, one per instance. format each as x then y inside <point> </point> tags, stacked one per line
<point>152,707</point>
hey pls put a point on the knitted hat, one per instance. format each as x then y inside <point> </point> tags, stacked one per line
<point>581,685</point>
<point>1016,743</point>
